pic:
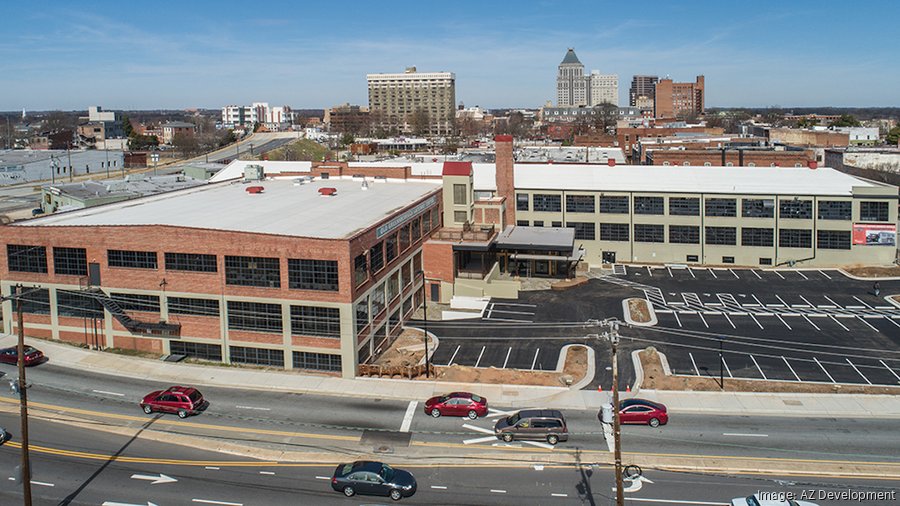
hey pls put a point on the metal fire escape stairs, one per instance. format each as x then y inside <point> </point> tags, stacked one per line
<point>163,329</point>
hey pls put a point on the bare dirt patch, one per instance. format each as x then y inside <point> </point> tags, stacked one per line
<point>565,284</point>
<point>655,378</point>
<point>874,272</point>
<point>575,368</point>
<point>639,310</point>
<point>407,350</point>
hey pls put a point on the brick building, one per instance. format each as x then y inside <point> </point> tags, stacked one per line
<point>314,273</point>
<point>755,157</point>
<point>679,100</point>
<point>628,137</point>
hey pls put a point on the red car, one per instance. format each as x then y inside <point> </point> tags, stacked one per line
<point>642,411</point>
<point>457,404</point>
<point>33,356</point>
<point>183,401</point>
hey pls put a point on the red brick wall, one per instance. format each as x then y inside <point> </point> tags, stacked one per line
<point>438,260</point>
<point>197,326</point>
<point>714,157</point>
<point>137,343</point>
<point>504,173</point>
<point>316,342</point>
<point>243,336</point>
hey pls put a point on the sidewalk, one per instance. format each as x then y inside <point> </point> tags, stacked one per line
<point>520,396</point>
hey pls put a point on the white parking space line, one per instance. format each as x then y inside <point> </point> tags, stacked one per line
<point>692,273</point>
<point>695,364</point>
<point>757,274</point>
<point>858,371</point>
<point>782,300</point>
<point>862,302</point>
<point>511,320</point>
<point>223,503</point>
<point>539,444</point>
<point>104,392</point>
<point>42,483</point>
<point>756,321</point>
<point>738,434</point>
<point>791,368</point>
<point>801,274</point>
<point>860,318</point>
<point>892,321</point>
<point>702,319</point>
<point>779,274</point>
<point>824,370</point>
<point>407,418</point>
<point>496,412</point>
<point>729,320</point>
<point>439,487</point>
<point>810,322</point>
<point>824,274</point>
<point>477,429</point>
<point>670,272</point>
<point>677,319</point>
<point>506,360</point>
<point>757,300</point>
<point>727,369</point>
<point>735,274</point>
<point>829,299</point>
<point>490,310</point>
<point>810,304</point>
<point>758,367</point>
<point>454,355</point>
<point>649,272</point>
<point>534,362</point>
<point>479,356</point>
<point>782,321</point>
<point>835,320</point>
<point>713,273</point>
<point>504,311</point>
<point>479,440</point>
<point>889,369</point>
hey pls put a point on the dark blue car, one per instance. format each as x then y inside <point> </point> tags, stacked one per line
<point>373,478</point>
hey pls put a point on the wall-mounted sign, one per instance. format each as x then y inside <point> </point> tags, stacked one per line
<point>874,234</point>
<point>407,215</point>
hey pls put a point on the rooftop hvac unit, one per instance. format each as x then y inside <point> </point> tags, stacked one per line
<point>327,192</point>
<point>254,173</point>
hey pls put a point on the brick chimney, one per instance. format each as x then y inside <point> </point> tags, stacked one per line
<point>503,146</point>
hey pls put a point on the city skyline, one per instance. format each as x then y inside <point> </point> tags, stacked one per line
<point>504,54</point>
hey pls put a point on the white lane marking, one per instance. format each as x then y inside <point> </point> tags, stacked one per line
<point>479,356</point>
<point>498,491</point>
<point>538,467</point>
<point>756,321</point>
<point>826,275</point>
<point>113,503</point>
<point>839,323</point>
<point>269,473</point>
<point>677,319</point>
<point>539,444</point>
<point>223,503</point>
<point>439,487</point>
<point>758,367</point>
<point>323,477</point>
<point>477,429</point>
<point>862,302</point>
<point>867,323</point>
<point>757,274</point>
<point>454,355</point>
<point>507,357</point>
<point>42,483</point>
<point>782,321</point>
<point>889,369</point>
<point>791,368</point>
<point>559,495</point>
<point>496,412</point>
<point>407,418</point>
<point>824,370</point>
<point>729,320</point>
<point>212,468</point>
<point>534,362</point>
<point>253,408</point>
<point>676,501</point>
<point>857,370</point>
<point>801,274</point>
<point>738,434</point>
<point>104,392</point>
<point>779,274</point>
<point>810,322</point>
<point>695,363</point>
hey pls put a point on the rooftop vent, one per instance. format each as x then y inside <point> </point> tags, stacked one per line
<point>364,186</point>
<point>812,164</point>
<point>611,162</point>
<point>327,192</point>
<point>255,189</point>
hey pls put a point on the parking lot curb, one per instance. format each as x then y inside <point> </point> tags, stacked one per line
<point>638,371</point>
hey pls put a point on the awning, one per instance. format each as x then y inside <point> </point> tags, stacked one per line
<point>576,257</point>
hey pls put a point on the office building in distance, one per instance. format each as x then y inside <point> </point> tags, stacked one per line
<point>575,89</point>
<point>412,102</point>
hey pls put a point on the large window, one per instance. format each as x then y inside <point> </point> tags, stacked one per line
<point>460,196</point>
<point>315,321</point>
<point>579,203</point>
<point>614,204</point>
<point>202,351</point>
<point>376,257</point>
<point>390,247</point>
<point>757,236</point>
<point>684,206</point>
<point>317,361</point>
<point>835,210</point>
<point>35,301</point>
<point>257,356</point>
<point>583,230</point>
<point>833,239</point>
<point>614,232</point>
<point>684,234</point>
<point>547,203</point>
<point>415,229</point>
<point>23,258</point>
<point>758,208</point>
<point>136,302</point>
<point>70,261</point>
<point>721,207</point>
<point>254,316</point>
<point>404,237</point>
<point>873,211</point>
<point>193,307</point>
<point>313,274</point>
<point>435,217</point>
<point>721,235</point>
<point>362,314</point>
<point>426,222</point>
<point>649,233</point>
<point>794,238</point>
<point>521,202</point>
<point>194,262</point>
<point>77,305</point>
<point>360,271</point>
<point>649,205</point>
<point>252,271</point>
<point>795,209</point>
<point>131,259</point>
<point>378,300</point>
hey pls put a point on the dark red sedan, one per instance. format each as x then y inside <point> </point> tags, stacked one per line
<point>33,356</point>
<point>457,404</point>
<point>642,411</point>
<point>183,401</point>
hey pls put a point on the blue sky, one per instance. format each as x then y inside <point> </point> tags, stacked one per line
<point>308,54</point>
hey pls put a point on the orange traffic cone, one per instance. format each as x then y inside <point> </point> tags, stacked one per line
<point>599,388</point>
<point>628,388</point>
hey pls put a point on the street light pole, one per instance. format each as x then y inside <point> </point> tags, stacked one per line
<point>23,401</point>
<point>425,326</point>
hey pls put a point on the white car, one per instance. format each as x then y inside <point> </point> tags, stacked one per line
<point>753,500</point>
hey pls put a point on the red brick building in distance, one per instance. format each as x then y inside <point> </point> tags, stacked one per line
<point>679,100</point>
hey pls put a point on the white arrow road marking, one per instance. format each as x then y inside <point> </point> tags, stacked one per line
<point>207,501</point>
<point>479,440</point>
<point>111,503</point>
<point>155,479</point>
<point>477,429</point>
<point>636,484</point>
<point>407,418</point>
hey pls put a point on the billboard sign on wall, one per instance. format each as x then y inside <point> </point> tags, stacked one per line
<point>874,234</point>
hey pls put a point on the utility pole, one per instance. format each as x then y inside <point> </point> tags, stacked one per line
<point>617,433</point>
<point>425,314</point>
<point>23,401</point>
<point>69,154</point>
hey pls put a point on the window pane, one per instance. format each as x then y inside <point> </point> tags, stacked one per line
<point>203,351</point>
<point>684,206</point>
<point>648,205</point>
<point>579,203</point>
<point>254,316</point>
<point>684,234</point>
<point>191,262</point>
<point>583,230</point>
<point>794,238</point>
<point>795,209</point>
<point>26,258</point>
<point>131,259</point>
<point>873,211</point>
<point>649,233</point>
<point>757,236</point>
<point>547,203</point>
<point>721,235</point>
<point>614,232</point>
<point>758,208</point>
<point>252,271</point>
<point>721,207</point>
<point>194,307</point>
<point>71,261</point>
<point>614,204</point>
<point>257,356</point>
<point>316,321</point>
<point>312,274</point>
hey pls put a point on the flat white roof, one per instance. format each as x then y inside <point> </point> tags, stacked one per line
<point>235,169</point>
<point>283,209</point>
